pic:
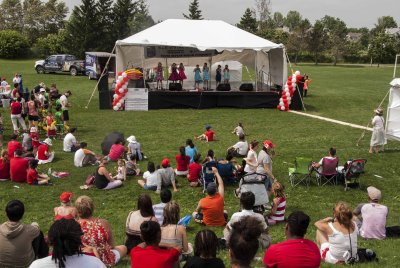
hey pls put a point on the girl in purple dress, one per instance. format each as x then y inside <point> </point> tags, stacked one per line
<point>159,75</point>
<point>182,74</point>
<point>174,76</point>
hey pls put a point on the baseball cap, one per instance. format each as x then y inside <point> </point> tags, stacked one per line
<point>165,163</point>
<point>65,197</point>
<point>374,193</point>
<point>268,144</point>
<point>211,188</point>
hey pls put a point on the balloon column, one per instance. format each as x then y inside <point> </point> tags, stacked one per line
<point>121,88</point>
<point>288,91</point>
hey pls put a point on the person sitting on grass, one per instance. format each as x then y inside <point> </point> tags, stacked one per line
<point>4,166</point>
<point>277,213</point>
<point>103,178</point>
<point>182,162</point>
<point>151,179</point>
<point>165,197</point>
<point>84,157</point>
<point>70,144</point>
<point>240,148</point>
<point>19,166</point>
<point>132,168</point>
<point>149,254</point>
<point>226,169</point>
<point>65,238</point>
<point>44,155</point>
<point>205,251</point>
<point>35,178</point>
<point>210,209</point>
<point>121,170</point>
<point>190,150</point>
<point>66,210</point>
<point>194,171</point>
<point>167,174</point>
<point>239,130</point>
<point>295,251</point>
<point>117,151</point>
<point>207,136</point>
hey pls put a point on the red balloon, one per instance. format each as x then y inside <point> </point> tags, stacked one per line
<point>119,73</point>
<point>278,107</point>
<point>298,77</point>
<point>284,96</point>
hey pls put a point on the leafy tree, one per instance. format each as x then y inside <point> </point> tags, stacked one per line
<point>11,14</point>
<point>382,48</point>
<point>384,22</point>
<point>54,14</point>
<point>51,44</point>
<point>275,35</point>
<point>13,44</point>
<point>32,23</point>
<point>263,9</point>
<point>292,20</point>
<point>248,22</point>
<point>297,39</point>
<point>123,11</point>
<point>278,20</point>
<point>194,11</point>
<point>317,40</point>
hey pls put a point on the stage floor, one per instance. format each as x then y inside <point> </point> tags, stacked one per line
<point>212,99</point>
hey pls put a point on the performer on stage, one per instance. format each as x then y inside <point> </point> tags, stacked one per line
<point>378,138</point>
<point>182,74</point>
<point>307,82</point>
<point>218,76</point>
<point>197,77</point>
<point>227,75</point>
<point>159,75</point>
<point>205,76</point>
<point>174,76</point>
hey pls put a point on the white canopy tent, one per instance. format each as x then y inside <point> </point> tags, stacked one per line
<point>393,111</point>
<point>197,41</point>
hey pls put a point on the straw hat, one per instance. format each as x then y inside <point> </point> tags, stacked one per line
<point>131,139</point>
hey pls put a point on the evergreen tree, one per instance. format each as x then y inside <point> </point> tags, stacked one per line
<point>248,22</point>
<point>54,14</point>
<point>123,11</point>
<point>11,15</point>
<point>105,25</point>
<point>141,19</point>
<point>32,23</point>
<point>194,11</point>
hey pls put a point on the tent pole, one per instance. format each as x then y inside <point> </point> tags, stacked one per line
<point>166,66</point>
<point>209,75</point>
<point>255,68</point>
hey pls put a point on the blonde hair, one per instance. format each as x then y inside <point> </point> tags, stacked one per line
<point>85,206</point>
<point>171,213</point>
<point>121,161</point>
<point>343,214</point>
<point>278,189</point>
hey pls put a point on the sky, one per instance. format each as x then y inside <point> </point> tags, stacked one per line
<point>355,13</point>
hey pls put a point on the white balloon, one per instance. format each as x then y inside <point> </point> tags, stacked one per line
<point>297,72</point>
<point>286,86</point>
<point>293,76</point>
<point>288,95</point>
<point>282,108</point>
<point>281,103</point>
<point>121,100</point>
<point>293,80</point>
<point>281,99</point>
<point>124,74</point>
<point>115,96</point>
<point>118,105</point>
<point>289,99</point>
<point>121,90</point>
<point>124,86</point>
<point>115,108</point>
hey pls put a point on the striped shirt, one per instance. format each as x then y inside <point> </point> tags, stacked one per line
<point>279,215</point>
<point>159,212</point>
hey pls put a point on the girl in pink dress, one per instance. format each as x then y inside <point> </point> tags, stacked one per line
<point>159,75</point>
<point>174,76</point>
<point>182,74</point>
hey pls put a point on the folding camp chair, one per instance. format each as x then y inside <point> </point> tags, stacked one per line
<point>328,172</point>
<point>352,171</point>
<point>301,173</point>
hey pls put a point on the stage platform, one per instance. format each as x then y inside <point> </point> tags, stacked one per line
<point>212,99</point>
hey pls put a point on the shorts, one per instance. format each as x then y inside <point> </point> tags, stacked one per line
<point>150,187</point>
<point>33,118</point>
<point>35,183</point>
<point>181,173</point>
<point>326,255</point>
<point>65,115</point>
<point>117,255</point>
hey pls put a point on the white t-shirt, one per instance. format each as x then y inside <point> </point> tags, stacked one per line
<point>263,158</point>
<point>153,179</point>
<point>78,158</point>
<point>69,140</point>
<point>16,80</point>
<point>238,130</point>
<point>4,84</point>
<point>70,262</point>
<point>252,158</point>
<point>242,147</point>
<point>64,102</point>
<point>238,215</point>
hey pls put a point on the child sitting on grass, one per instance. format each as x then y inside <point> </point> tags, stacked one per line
<point>194,171</point>
<point>66,210</point>
<point>209,135</point>
<point>121,171</point>
<point>35,178</point>
<point>35,140</point>
<point>277,213</point>
<point>132,168</point>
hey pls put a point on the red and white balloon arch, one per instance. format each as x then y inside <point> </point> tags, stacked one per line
<point>288,91</point>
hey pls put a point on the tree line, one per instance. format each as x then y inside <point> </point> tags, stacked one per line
<point>41,28</point>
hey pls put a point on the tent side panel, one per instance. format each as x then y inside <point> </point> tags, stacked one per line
<point>393,115</point>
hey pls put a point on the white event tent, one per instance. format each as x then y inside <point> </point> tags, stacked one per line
<point>393,112</point>
<point>197,41</point>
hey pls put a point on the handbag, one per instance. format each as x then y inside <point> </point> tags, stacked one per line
<point>90,180</point>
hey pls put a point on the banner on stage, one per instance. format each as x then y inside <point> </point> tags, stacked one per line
<point>176,52</point>
<point>137,99</point>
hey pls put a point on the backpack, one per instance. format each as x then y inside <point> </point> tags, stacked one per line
<point>90,180</point>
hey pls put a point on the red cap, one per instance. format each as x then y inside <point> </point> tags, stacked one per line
<point>165,163</point>
<point>65,197</point>
<point>268,144</point>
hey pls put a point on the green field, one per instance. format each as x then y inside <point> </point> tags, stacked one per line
<point>347,93</point>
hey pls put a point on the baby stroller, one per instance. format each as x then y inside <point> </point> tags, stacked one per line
<point>352,171</point>
<point>207,175</point>
<point>254,182</point>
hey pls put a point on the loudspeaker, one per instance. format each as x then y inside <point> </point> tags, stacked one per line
<point>103,83</point>
<point>224,87</point>
<point>136,83</point>
<point>246,87</point>
<point>105,99</point>
<point>175,87</point>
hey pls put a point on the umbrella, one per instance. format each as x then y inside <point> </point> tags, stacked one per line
<point>109,140</point>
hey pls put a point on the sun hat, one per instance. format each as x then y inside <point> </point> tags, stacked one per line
<point>48,142</point>
<point>211,188</point>
<point>33,129</point>
<point>131,139</point>
<point>65,197</point>
<point>42,90</point>
<point>268,144</point>
<point>374,193</point>
<point>165,163</point>
<point>378,111</point>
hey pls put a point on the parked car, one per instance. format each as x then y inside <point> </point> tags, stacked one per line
<point>60,63</point>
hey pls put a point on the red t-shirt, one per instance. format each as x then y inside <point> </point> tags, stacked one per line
<point>210,135</point>
<point>42,149</point>
<point>293,253</point>
<point>153,257</point>
<point>16,108</point>
<point>194,172</point>
<point>12,146</point>
<point>18,169</point>
<point>35,139</point>
<point>32,176</point>
<point>4,169</point>
<point>182,164</point>
<point>212,208</point>
<point>116,151</point>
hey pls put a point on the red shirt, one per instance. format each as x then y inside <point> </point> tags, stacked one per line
<point>35,139</point>
<point>43,148</point>
<point>212,208</point>
<point>293,253</point>
<point>12,146</point>
<point>153,257</point>
<point>32,176</point>
<point>182,164</point>
<point>18,169</point>
<point>16,108</point>
<point>194,172</point>
<point>116,151</point>
<point>210,135</point>
<point>4,169</point>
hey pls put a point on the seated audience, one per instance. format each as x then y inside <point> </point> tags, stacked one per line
<point>205,251</point>
<point>70,144</point>
<point>247,200</point>
<point>190,150</point>
<point>240,148</point>
<point>103,179</point>
<point>66,210</point>
<point>328,163</point>
<point>27,141</point>
<point>65,238</point>
<point>132,168</point>
<point>251,158</point>
<point>337,236</point>
<point>143,213</point>
<point>207,136</point>
<point>210,209</point>
<point>84,157</point>
<point>16,249</point>
<point>43,154</point>
<point>295,251</point>
<point>97,233</point>
<point>167,175</point>
<point>243,242</point>
<point>226,169</point>
<point>4,166</point>
<point>182,162</point>
<point>194,173</point>
<point>151,179</point>
<point>165,197</point>
<point>277,213</point>
<point>238,130</point>
<point>117,151</point>
<point>35,178</point>
<point>18,167</point>
<point>149,253</point>
<point>134,148</point>
<point>14,145</point>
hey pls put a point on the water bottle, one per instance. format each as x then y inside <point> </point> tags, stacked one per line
<point>49,172</point>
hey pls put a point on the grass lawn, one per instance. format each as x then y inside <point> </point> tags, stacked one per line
<point>348,93</point>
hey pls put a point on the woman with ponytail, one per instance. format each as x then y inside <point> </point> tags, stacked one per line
<point>337,235</point>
